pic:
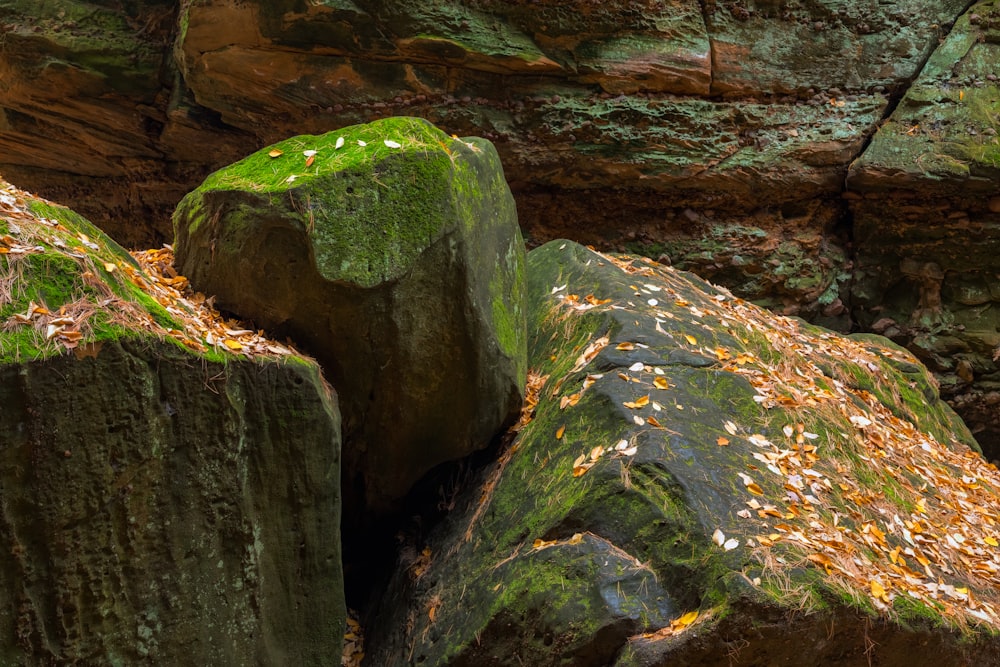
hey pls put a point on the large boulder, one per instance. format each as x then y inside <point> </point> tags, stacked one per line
<point>169,484</point>
<point>926,201</point>
<point>392,252</point>
<point>702,481</point>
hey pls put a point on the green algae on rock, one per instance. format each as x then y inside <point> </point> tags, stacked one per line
<point>697,468</point>
<point>392,252</point>
<point>163,499</point>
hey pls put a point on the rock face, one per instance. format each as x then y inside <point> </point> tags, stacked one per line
<point>392,252</point>
<point>715,134</point>
<point>163,500</point>
<point>697,475</point>
<point>927,211</point>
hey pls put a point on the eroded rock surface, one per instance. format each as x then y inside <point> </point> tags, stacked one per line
<point>392,253</point>
<point>695,474</point>
<point>927,216</point>
<point>163,499</point>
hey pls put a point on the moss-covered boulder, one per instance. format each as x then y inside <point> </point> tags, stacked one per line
<point>692,477</point>
<point>392,252</point>
<point>169,482</point>
<point>926,203</point>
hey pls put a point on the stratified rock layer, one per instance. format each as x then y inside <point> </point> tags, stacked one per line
<point>163,500</point>
<point>927,221</point>
<point>696,474</point>
<point>392,252</point>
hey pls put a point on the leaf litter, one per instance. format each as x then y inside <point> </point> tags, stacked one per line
<point>101,269</point>
<point>820,496</point>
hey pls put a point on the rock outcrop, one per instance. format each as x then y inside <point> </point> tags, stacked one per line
<point>169,484</point>
<point>698,478</point>
<point>392,253</point>
<point>926,203</point>
<point>716,134</point>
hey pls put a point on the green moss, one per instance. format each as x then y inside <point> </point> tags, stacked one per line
<point>369,207</point>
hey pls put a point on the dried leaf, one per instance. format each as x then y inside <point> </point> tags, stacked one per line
<point>560,431</point>
<point>274,152</point>
<point>661,383</point>
<point>392,144</point>
<point>340,143</point>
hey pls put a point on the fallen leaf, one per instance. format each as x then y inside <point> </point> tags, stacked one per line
<point>640,402</point>
<point>688,618</point>
<point>625,347</point>
<point>722,441</point>
<point>340,143</point>
<point>661,383</point>
<point>274,152</point>
<point>719,537</point>
<point>691,339</point>
<point>310,160</point>
<point>560,431</point>
<point>731,544</point>
<point>392,144</point>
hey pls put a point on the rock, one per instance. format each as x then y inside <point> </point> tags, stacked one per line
<point>392,253</point>
<point>695,474</point>
<point>163,500</point>
<point>928,181</point>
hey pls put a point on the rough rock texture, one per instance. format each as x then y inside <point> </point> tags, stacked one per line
<point>927,215</point>
<point>397,260</point>
<point>699,474</point>
<point>713,133</point>
<point>158,505</point>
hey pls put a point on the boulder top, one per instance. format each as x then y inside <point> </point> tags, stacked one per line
<point>66,286</point>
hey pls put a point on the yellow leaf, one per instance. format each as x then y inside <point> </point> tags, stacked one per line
<point>580,469</point>
<point>640,402</point>
<point>661,383</point>
<point>274,152</point>
<point>688,618</point>
<point>110,267</point>
<point>653,422</point>
<point>596,452</point>
<point>878,590</point>
<point>991,541</point>
<point>576,539</point>
<point>625,347</point>
<point>754,489</point>
<point>691,339</point>
<point>559,433</point>
<point>232,345</point>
